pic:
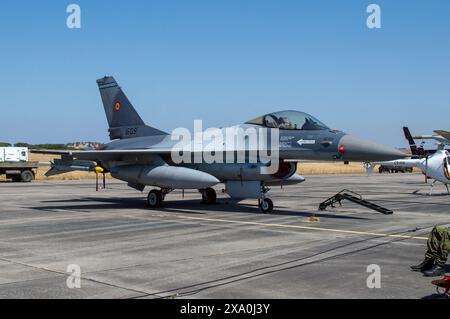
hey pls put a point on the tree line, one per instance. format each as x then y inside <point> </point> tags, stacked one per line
<point>38,146</point>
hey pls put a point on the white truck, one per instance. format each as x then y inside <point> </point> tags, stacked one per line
<point>15,165</point>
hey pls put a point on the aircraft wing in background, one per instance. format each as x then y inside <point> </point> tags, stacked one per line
<point>444,134</point>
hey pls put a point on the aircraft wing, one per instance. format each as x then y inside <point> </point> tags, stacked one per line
<point>438,138</point>
<point>425,137</point>
<point>104,154</point>
<point>445,134</point>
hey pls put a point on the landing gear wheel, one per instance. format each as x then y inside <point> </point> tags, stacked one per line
<point>209,196</point>
<point>154,198</point>
<point>27,176</point>
<point>266,205</point>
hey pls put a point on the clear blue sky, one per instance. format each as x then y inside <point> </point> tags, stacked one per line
<point>224,62</point>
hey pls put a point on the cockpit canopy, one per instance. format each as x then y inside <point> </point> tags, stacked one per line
<point>289,120</point>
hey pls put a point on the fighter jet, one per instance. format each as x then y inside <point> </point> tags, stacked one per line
<point>142,155</point>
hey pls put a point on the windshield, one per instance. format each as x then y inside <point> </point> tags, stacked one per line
<point>289,120</point>
<point>446,167</point>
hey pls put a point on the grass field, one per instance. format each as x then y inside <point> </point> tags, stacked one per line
<point>307,168</point>
<point>310,168</point>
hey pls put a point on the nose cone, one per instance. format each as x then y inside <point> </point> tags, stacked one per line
<point>357,149</point>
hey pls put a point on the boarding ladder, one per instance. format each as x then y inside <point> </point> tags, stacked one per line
<point>355,198</point>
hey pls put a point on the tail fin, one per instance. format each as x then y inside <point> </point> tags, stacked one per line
<point>123,120</point>
<point>412,144</point>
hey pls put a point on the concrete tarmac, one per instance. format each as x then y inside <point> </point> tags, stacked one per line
<point>190,250</point>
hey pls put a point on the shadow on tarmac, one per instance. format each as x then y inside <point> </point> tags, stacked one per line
<point>191,206</point>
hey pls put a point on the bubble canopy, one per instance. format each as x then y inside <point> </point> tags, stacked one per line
<point>289,120</point>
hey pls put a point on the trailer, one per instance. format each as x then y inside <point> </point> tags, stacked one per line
<point>15,165</point>
<point>394,169</point>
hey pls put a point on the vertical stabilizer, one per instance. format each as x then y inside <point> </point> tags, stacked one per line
<point>123,119</point>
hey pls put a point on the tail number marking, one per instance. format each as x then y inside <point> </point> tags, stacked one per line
<point>131,131</point>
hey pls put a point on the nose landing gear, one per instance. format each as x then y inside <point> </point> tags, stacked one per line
<point>264,203</point>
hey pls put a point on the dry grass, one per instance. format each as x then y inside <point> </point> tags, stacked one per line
<point>72,176</point>
<point>306,168</point>
<point>41,157</point>
<point>310,168</point>
<point>320,168</point>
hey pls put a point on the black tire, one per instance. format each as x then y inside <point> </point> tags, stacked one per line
<point>16,179</point>
<point>209,196</point>
<point>154,198</point>
<point>26,176</point>
<point>266,205</point>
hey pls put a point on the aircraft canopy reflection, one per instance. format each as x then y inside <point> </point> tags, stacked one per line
<point>289,120</point>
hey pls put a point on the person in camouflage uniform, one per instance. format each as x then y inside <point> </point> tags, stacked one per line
<point>437,253</point>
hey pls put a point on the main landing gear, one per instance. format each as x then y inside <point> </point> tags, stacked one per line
<point>209,196</point>
<point>156,197</point>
